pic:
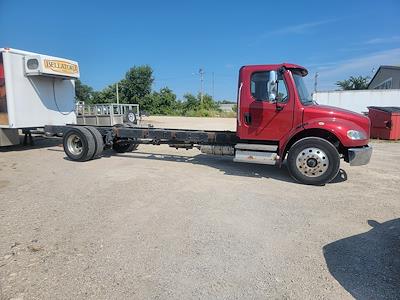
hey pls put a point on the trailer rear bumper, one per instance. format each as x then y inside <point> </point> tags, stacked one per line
<point>360,156</point>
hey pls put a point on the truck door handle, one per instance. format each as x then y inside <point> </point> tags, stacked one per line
<point>247,118</point>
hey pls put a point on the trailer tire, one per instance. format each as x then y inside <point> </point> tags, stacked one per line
<point>313,161</point>
<point>79,144</point>
<point>99,141</point>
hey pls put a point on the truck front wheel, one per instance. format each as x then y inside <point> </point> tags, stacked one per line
<point>313,160</point>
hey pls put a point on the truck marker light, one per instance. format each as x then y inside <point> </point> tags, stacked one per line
<point>321,123</point>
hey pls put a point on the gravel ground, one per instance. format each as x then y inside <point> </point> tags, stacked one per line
<point>161,223</point>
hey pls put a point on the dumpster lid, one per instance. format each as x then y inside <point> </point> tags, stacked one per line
<point>388,109</point>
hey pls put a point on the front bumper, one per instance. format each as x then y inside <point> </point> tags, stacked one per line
<point>360,156</point>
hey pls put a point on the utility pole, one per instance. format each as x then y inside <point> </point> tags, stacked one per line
<point>116,90</point>
<point>213,86</point>
<point>201,72</point>
<point>315,82</point>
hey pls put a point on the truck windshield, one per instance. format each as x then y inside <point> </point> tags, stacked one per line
<point>302,91</point>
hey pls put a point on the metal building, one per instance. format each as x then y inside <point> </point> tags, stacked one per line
<point>387,77</point>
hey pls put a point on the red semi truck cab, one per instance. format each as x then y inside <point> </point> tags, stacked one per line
<point>274,106</point>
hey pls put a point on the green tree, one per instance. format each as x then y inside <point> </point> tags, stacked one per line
<point>199,107</point>
<point>354,83</point>
<point>106,95</point>
<point>83,92</point>
<point>136,84</point>
<point>167,101</point>
<point>227,102</point>
<point>136,87</point>
<point>160,103</point>
<point>208,102</point>
<point>190,102</point>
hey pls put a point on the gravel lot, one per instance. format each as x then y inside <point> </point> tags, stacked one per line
<point>161,223</point>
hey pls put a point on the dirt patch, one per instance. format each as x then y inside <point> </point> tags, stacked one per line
<point>4,183</point>
<point>160,223</point>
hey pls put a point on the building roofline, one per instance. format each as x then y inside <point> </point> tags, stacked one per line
<point>382,67</point>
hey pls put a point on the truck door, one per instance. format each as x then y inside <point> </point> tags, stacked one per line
<point>259,118</point>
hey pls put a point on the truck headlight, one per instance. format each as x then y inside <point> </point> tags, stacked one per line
<point>356,135</point>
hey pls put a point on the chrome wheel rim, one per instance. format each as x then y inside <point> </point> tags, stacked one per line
<point>312,162</point>
<point>74,144</point>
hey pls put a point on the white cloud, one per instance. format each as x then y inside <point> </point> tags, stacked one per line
<point>292,29</point>
<point>375,42</point>
<point>299,28</point>
<point>329,74</point>
<point>392,39</point>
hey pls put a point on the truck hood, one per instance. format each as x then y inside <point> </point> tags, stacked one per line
<point>325,111</point>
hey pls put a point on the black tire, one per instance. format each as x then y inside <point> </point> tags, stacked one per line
<point>79,144</point>
<point>130,117</point>
<point>99,142</point>
<point>122,146</point>
<point>132,147</point>
<point>313,161</point>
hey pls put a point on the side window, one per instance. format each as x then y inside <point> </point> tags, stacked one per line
<point>259,87</point>
<point>282,90</point>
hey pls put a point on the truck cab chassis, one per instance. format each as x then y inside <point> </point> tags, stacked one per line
<point>276,121</point>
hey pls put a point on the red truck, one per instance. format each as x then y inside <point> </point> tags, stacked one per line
<point>276,120</point>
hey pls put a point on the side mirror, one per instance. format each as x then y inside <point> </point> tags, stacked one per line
<point>272,86</point>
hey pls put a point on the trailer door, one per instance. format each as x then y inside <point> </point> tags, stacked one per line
<point>3,96</point>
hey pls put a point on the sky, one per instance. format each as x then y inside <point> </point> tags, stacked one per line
<point>337,39</point>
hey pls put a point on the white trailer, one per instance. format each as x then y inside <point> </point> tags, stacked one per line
<point>359,100</point>
<point>35,90</point>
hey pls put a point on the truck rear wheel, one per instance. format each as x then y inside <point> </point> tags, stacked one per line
<point>79,144</point>
<point>313,161</point>
<point>99,142</point>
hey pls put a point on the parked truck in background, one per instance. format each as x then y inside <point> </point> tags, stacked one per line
<point>276,121</point>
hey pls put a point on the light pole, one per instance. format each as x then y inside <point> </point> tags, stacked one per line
<point>201,72</point>
<point>116,90</point>
<point>213,85</point>
<point>315,81</point>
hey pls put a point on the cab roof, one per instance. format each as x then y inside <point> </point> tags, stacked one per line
<point>303,71</point>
